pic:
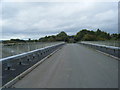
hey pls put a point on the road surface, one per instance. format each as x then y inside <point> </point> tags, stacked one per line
<point>73,66</point>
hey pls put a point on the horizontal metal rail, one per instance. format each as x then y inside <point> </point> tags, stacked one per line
<point>115,51</point>
<point>14,65</point>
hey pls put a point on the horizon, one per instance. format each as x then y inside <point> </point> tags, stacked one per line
<point>55,35</point>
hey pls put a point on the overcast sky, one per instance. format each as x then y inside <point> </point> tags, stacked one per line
<point>37,19</point>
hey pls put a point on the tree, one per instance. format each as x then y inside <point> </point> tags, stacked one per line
<point>79,36</point>
<point>89,37</point>
<point>29,39</point>
<point>115,36</point>
<point>62,36</point>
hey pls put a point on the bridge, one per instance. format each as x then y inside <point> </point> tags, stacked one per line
<point>78,65</point>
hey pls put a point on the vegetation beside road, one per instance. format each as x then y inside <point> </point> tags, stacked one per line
<point>82,35</point>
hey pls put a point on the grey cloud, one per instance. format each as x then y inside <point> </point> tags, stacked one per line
<point>40,19</point>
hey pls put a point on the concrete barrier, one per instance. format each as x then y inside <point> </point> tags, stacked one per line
<point>14,65</point>
<point>111,50</point>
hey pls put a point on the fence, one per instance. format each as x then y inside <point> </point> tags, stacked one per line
<point>115,51</point>
<point>14,65</point>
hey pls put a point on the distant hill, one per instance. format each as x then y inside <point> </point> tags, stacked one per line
<point>82,35</point>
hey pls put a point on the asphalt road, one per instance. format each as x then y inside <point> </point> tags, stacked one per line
<point>73,66</point>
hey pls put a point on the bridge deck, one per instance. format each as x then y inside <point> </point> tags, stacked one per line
<point>73,66</point>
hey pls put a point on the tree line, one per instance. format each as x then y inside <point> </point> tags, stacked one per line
<point>82,35</point>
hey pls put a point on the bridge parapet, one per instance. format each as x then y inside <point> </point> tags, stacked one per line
<point>111,50</point>
<point>14,65</point>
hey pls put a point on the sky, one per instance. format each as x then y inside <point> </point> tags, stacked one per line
<point>33,20</point>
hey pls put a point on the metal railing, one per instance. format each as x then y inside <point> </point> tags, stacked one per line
<point>14,65</point>
<point>111,50</point>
